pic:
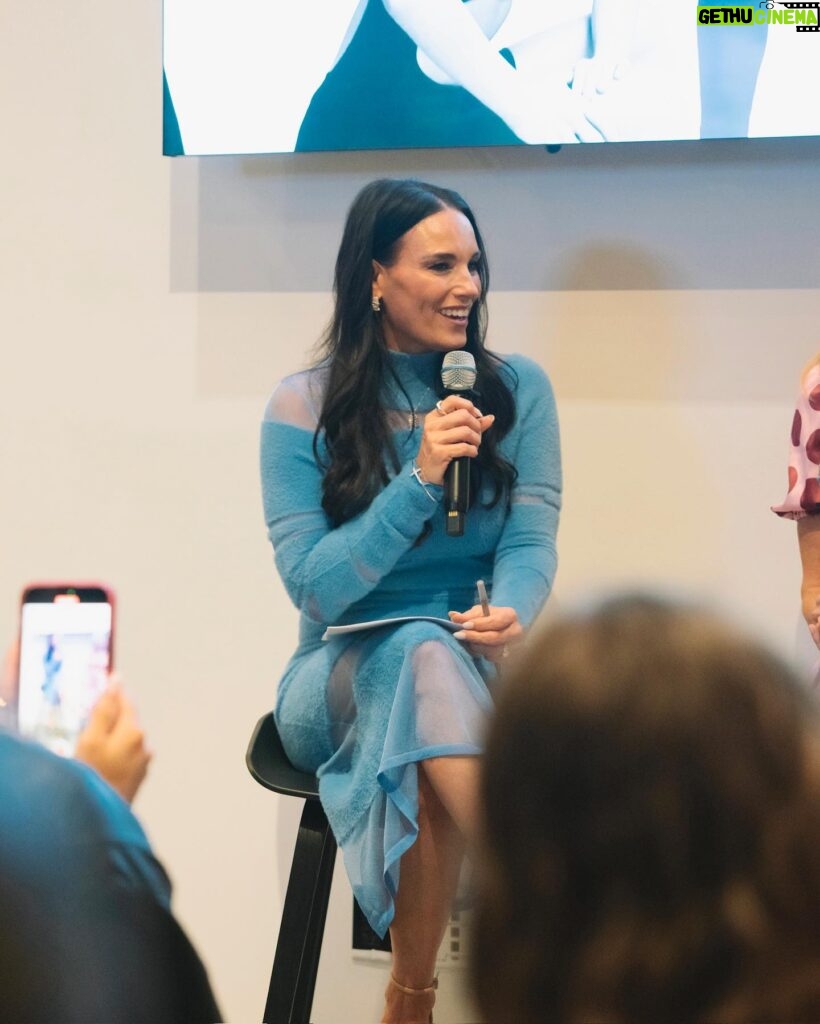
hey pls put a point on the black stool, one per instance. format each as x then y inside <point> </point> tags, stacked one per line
<point>296,962</point>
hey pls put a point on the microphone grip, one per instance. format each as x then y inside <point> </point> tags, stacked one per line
<point>456,495</point>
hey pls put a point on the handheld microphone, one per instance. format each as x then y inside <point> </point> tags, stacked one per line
<point>458,375</point>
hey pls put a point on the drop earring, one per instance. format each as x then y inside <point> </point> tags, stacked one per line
<point>376,304</point>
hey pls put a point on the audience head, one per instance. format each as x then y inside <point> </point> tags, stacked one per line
<point>104,952</point>
<point>651,846</point>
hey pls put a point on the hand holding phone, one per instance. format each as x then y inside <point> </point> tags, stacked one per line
<point>113,742</point>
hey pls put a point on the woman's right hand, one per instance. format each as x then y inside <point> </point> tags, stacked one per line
<point>453,429</point>
<point>113,742</point>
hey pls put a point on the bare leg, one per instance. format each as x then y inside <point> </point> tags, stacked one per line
<point>428,879</point>
<point>455,780</point>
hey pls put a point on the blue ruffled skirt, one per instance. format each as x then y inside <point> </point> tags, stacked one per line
<point>361,710</point>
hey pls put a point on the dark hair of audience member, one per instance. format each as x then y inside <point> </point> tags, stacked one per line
<point>652,829</point>
<point>113,956</point>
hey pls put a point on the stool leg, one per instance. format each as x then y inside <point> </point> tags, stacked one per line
<point>296,963</point>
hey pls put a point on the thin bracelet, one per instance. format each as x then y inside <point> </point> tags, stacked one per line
<point>416,472</point>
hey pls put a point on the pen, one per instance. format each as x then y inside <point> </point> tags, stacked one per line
<point>482,596</point>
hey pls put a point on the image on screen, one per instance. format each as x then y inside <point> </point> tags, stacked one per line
<point>64,662</point>
<point>270,76</point>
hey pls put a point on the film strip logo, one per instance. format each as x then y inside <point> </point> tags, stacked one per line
<point>799,6</point>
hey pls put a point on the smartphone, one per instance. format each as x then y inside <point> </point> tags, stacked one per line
<point>66,653</point>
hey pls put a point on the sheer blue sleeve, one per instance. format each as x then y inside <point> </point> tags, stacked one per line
<point>526,557</point>
<point>326,570</point>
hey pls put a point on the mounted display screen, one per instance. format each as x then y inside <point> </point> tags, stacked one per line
<point>269,76</point>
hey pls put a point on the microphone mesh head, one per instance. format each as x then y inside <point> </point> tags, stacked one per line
<point>458,371</point>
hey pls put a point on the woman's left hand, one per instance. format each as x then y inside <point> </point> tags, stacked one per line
<point>488,636</point>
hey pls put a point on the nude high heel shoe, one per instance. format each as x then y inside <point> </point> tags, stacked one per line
<point>426,999</point>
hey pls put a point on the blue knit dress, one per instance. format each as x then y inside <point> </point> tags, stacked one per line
<point>362,709</point>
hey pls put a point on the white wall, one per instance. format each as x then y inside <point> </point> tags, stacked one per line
<point>147,308</point>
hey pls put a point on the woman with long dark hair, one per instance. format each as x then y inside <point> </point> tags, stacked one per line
<point>354,455</point>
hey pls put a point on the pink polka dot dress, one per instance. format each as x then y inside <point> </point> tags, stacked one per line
<point>803,498</point>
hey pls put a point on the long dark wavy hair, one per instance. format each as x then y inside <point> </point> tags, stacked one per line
<point>353,422</point>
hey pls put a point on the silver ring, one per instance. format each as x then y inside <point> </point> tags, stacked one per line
<point>439,410</point>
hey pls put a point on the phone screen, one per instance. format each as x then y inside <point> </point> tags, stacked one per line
<point>65,656</point>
